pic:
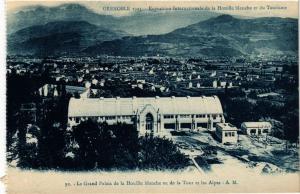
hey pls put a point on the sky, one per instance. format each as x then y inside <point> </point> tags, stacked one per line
<point>287,8</point>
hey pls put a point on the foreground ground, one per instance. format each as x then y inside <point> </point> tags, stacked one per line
<point>249,166</point>
<point>250,154</point>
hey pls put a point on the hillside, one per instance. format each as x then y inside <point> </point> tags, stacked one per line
<point>59,37</point>
<point>220,36</point>
<point>139,23</point>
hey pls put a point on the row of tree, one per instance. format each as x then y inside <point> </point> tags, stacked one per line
<point>92,145</point>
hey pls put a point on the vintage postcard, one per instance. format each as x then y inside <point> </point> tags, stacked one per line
<point>152,97</point>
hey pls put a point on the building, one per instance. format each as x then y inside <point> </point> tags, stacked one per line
<point>256,128</point>
<point>156,114</point>
<point>226,133</point>
<point>52,90</point>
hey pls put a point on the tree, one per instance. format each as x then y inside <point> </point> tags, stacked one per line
<point>252,94</point>
<point>160,153</point>
<point>240,110</point>
<point>51,144</point>
<point>291,127</point>
<point>88,135</point>
<point>28,147</point>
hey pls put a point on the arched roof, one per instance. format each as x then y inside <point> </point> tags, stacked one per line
<point>85,107</point>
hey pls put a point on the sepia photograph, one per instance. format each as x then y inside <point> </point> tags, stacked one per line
<point>152,97</point>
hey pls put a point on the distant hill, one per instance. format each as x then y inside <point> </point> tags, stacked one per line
<point>156,23</point>
<point>219,36</point>
<point>41,15</point>
<point>59,37</point>
<point>140,23</point>
<point>223,35</point>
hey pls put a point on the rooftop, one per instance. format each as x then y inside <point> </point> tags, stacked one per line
<point>227,126</point>
<point>130,106</point>
<point>259,124</point>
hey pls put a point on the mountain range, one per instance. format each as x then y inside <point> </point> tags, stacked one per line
<point>68,37</point>
<point>137,23</point>
<point>221,35</point>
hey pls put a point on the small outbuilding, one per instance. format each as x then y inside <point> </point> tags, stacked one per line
<point>226,132</point>
<point>256,128</point>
